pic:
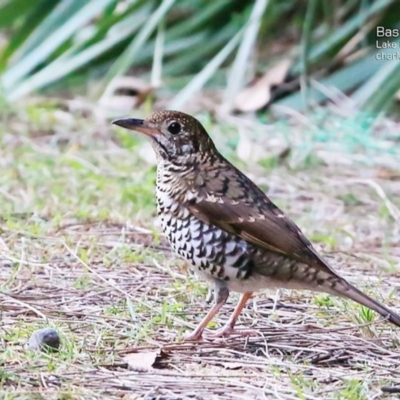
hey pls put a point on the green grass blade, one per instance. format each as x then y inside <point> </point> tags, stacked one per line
<point>199,20</point>
<point>237,75</point>
<point>51,23</point>
<point>124,61</point>
<point>375,72</point>
<point>205,74</point>
<point>305,48</point>
<point>376,94</point>
<point>344,80</point>
<point>332,43</point>
<point>182,35</point>
<point>156,70</point>
<point>86,11</point>
<point>12,9</point>
<point>189,59</point>
<point>71,62</point>
<point>32,18</point>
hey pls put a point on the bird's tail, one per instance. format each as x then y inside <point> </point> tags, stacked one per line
<point>328,281</point>
<point>345,289</point>
<point>322,278</point>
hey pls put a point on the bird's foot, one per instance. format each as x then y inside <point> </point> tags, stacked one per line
<point>223,332</point>
<point>228,330</point>
<point>194,336</point>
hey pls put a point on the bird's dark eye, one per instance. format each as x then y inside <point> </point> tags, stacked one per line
<point>174,128</point>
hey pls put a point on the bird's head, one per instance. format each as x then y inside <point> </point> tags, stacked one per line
<point>174,135</point>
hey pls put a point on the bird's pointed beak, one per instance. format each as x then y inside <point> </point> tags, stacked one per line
<point>134,124</point>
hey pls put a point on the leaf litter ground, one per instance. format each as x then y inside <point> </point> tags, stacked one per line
<point>80,252</point>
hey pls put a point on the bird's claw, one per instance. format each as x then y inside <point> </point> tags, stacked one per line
<point>193,337</point>
<point>224,332</point>
<point>227,331</point>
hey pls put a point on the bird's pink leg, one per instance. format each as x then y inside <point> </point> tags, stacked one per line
<point>228,328</point>
<point>197,334</point>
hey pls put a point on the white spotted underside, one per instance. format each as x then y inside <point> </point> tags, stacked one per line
<point>212,252</point>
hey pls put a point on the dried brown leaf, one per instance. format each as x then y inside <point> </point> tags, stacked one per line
<point>258,94</point>
<point>387,173</point>
<point>127,93</point>
<point>143,361</point>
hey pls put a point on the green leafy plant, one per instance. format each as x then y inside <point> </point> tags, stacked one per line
<point>187,45</point>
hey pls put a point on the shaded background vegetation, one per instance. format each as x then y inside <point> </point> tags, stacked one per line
<point>178,47</point>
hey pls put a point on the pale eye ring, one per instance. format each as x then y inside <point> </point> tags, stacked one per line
<point>174,128</point>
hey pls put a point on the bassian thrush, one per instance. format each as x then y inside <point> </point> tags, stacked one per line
<point>226,227</point>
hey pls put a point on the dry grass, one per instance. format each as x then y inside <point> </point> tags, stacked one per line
<point>78,252</point>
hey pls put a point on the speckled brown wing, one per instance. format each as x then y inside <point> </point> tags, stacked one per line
<point>229,200</point>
